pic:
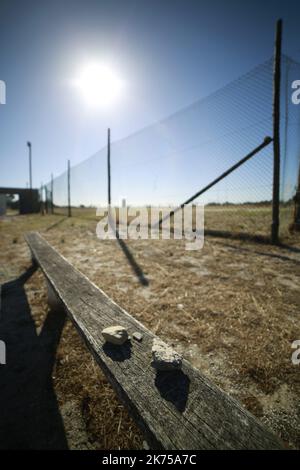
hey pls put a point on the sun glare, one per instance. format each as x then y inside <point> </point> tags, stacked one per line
<point>99,85</point>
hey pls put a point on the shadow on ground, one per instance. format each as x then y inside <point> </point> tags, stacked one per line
<point>266,254</point>
<point>134,265</point>
<point>30,417</point>
<point>248,237</point>
<point>56,224</point>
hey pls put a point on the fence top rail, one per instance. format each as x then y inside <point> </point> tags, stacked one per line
<point>175,410</point>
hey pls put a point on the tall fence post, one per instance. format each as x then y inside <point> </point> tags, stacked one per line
<point>108,167</point>
<point>52,185</point>
<point>30,164</point>
<point>46,199</point>
<point>276,134</point>
<point>296,224</point>
<point>69,190</point>
<point>42,200</point>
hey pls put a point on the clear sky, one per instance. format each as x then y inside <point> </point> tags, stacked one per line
<point>169,53</point>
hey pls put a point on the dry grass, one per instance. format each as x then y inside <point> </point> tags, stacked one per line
<point>93,416</point>
<point>253,220</point>
<point>231,308</point>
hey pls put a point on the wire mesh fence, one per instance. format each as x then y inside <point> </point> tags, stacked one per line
<point>163,164</point>
<point>290,145</point>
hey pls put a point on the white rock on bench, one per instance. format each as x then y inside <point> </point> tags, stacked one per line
<point>164,357</point>
<point>137,336</point>
<point>115,334</point>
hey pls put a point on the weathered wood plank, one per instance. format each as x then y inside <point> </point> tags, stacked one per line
<point>176,410</point>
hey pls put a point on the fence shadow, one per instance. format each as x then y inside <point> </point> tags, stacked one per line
<point>282,257</point>
<point>238,236</point>
<point>291,248</point>
<point>56,224</point>
<point>134,265</point>
<point>30,417</point>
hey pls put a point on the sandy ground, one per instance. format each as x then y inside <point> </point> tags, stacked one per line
<point>231,308</point>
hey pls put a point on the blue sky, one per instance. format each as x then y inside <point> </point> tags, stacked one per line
<point>169,53</point>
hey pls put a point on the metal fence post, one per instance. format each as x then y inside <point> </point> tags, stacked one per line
<point>52,185</point>
<point>46,199</point>
<point>69,190</point>
<point>296,224</point>
<point>276,134</point>
<point>42,200</point>
<point>108,167</point>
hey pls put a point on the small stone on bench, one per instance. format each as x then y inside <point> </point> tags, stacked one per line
<point>115,334</point>
<point>164,357</point>
<point>137,336</point>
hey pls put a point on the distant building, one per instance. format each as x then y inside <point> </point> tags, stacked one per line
<point>29,201</point>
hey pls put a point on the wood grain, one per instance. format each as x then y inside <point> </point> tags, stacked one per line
<point>175,410</point>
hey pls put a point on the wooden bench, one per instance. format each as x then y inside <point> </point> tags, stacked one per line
<point>175,410</point>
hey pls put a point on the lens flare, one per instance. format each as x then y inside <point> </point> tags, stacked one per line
<point>99,85</point>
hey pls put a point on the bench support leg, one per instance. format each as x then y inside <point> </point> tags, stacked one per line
<point>54,301</point>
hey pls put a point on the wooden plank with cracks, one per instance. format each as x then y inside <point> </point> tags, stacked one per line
<point>175,410</point>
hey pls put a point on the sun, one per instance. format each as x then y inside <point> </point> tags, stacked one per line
<point>99,85</point>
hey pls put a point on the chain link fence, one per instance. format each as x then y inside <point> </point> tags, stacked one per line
<point>167,162</point>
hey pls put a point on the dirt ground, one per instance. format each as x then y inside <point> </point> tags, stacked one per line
<point>232,310</point>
